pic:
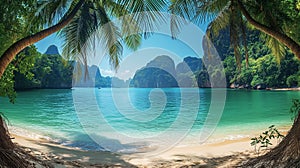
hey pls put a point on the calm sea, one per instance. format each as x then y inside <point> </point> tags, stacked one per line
<point>130,119</point>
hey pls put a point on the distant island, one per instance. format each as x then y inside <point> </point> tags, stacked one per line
<point>162,73</point>
<point>95,79</point>
<point>51,71</point>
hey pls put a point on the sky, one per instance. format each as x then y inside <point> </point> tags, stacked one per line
<point>188,43</point>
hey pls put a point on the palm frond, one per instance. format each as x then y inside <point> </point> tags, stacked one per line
<point>186,9</point>
<point>208,10</point>
<point>146,13</point>
<point>77,35</point>
<point>49,12</point>
<point>131,32</point>
<point>234,40</point>
<point>199,12</point>
<point>115,9</point>
<point>234,25</point>
<point>181,11</point>
<point>94,19</point>
<point>266,16</point>
<point>220,22</point>
<point>244,38</point>
<point>109,36</point>
<point>277,48</point>
<point>133,41</point>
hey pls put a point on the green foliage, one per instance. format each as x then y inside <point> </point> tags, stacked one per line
<point>293,80</point>
<point>278,17</point>
<point>48,71</point>
<point>150,77</point>
<point>264,139</point>
<point>30,69</point>
<point>295,108</point>
<point>7,84</point>
<point>93,24</point>
<point>263,66</point>
<point>203,79</point>
<point>13,26</point>
<point>21,65</point>
<point>159,72</point>
<point>19,19</point>
<point>13,20</point>
<point>52,72</point>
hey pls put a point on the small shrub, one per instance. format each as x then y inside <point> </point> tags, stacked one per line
<point>264,139</point>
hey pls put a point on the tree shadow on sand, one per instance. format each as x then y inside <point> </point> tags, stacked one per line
<point>50,154</point>
<point>190,161</point>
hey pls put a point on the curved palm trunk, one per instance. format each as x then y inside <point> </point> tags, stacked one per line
<point>284,39</point>
<point>8,156</point>
<point>18,46</point>
<point>285,154</point>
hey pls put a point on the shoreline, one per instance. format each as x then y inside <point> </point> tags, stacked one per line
<point>72,88</point>
<point>221,154</point>
<point>270,89</point>
<point>286,89</point>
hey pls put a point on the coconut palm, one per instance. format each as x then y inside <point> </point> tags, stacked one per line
<point>267,17</point>
<point>221,15</point>
<point>81,23</point>
<point>82,18</point>
<point>279,23</point>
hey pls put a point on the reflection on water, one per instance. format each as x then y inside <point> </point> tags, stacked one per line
<point>144,112</point>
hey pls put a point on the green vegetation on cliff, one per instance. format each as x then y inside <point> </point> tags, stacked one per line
<point>264,67</point>
<point>49,70</point>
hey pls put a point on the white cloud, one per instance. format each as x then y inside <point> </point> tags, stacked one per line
<point>107,72</point>
<point>124,74</point>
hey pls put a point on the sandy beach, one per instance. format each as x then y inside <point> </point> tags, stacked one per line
<point>229,153</point>
<point>286,89</point>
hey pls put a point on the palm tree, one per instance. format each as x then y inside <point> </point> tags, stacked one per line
<point>221,15</point>
<point>279,23</point>
<point>82,18</point>
<point>237,14</point>
<point>81,23</point>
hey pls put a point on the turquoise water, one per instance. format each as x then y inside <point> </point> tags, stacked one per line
<point>145,115</point>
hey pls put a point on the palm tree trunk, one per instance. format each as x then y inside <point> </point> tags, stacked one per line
<point>8,155</point>
<point>285,154</point>
<point>284,39</point>
<point>18,46</point>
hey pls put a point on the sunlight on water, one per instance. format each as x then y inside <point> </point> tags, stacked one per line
<point>50,114</point>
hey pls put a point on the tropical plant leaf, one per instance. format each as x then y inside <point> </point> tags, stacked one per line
<point>181,11</point>
<point>277,48</point>
<point>49,12</point>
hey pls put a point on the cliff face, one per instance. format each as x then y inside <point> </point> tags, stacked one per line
<point>95,79</point>
<point>88,80</point>
<point>161,73</point>
<point>158,73</point>
<point>50,71</point>
<point>52,50</point>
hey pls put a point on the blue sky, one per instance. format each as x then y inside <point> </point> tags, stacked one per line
<point>189,43</point>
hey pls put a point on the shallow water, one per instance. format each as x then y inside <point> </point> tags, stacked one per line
<point>130,119</point>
